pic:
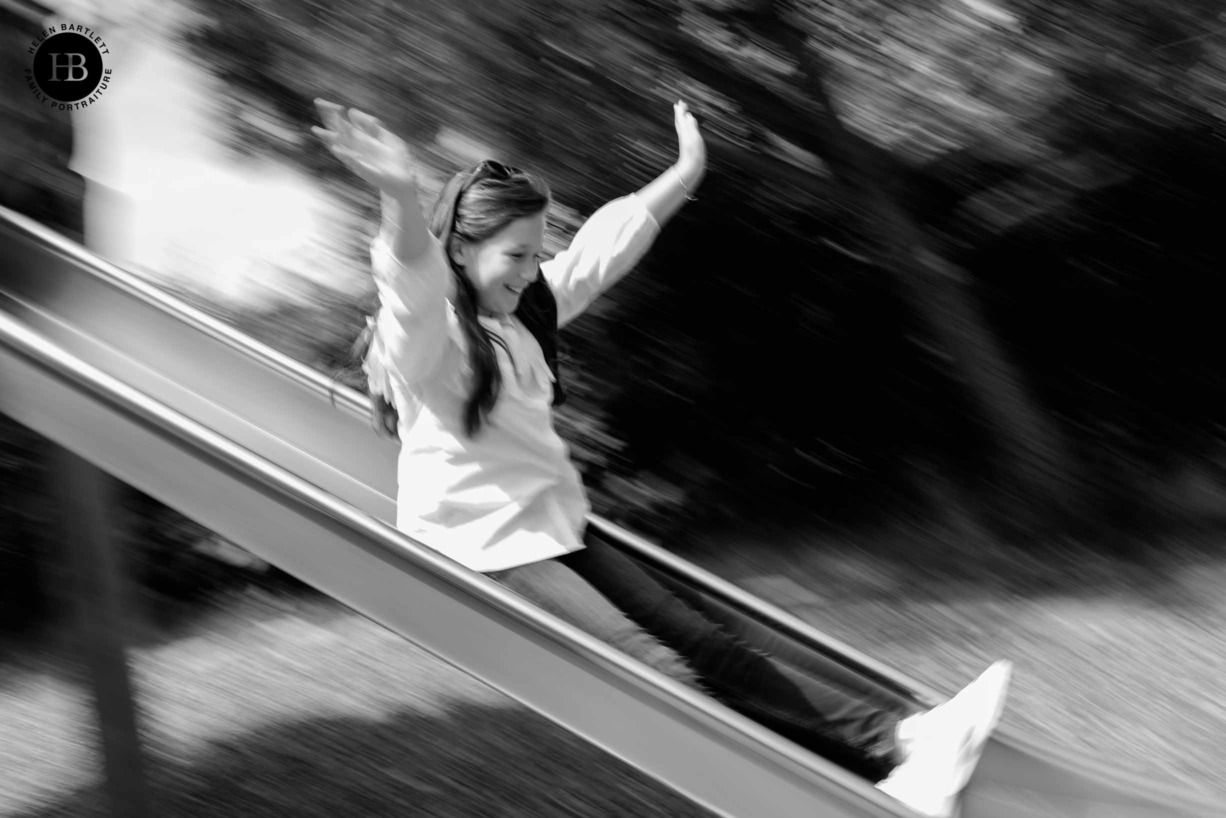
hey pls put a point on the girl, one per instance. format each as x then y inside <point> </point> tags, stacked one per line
<point>461,363</point>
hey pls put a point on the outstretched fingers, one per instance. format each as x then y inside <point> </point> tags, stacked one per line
<point>347,128</point>
<point>366,124</point>
<point>339,132</point>
<point>331,115</point>
<point>365,147</point>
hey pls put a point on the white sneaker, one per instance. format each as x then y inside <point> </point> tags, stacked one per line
<point>943,745</point>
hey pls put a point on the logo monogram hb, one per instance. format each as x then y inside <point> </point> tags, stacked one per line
<point>68,67</point>
<point>75,63</point>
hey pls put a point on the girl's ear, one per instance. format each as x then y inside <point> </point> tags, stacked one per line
<point>457,249</point>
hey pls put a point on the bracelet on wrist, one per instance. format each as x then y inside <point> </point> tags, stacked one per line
<point>684,187</point>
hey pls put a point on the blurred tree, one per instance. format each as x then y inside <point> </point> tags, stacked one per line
<point>1034,469</point>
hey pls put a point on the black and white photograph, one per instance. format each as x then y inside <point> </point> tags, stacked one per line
<point>636,408</point>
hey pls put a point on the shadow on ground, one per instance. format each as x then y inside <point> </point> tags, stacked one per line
<point>470,760</point>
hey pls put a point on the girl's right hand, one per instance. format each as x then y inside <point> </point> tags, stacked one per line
<point>367,148</point>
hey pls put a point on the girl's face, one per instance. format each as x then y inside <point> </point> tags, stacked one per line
<point>503,265</point>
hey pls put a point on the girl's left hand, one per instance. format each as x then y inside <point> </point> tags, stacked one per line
<point>691,150</point>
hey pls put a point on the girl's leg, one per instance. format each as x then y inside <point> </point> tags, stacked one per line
<point>858,733</point>
<point>559,590</point>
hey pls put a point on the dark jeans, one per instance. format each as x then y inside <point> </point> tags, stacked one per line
<point>605,593</point>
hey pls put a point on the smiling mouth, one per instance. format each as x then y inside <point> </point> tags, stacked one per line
<point>517,290</point>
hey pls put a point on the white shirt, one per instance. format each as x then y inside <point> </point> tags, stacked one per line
<point>509,496</point>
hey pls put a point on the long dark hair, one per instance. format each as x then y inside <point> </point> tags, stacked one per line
<point>473,206</point>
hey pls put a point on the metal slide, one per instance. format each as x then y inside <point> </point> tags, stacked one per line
<point>258,448</point>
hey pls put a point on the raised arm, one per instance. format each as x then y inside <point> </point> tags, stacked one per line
<point>412,276</point>
<point>381,158</point>
<point>612,241</point>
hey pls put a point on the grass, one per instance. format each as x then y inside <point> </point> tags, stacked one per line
<point>1117,658</point>
<point>275,705</point>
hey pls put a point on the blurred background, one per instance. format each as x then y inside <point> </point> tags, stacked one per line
<point>931,361</point>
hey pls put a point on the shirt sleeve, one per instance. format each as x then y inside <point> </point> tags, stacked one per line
<point>411,329</point>
<point>607,246</point>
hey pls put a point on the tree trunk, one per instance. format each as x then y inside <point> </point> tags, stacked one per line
<point>1033,473</point>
